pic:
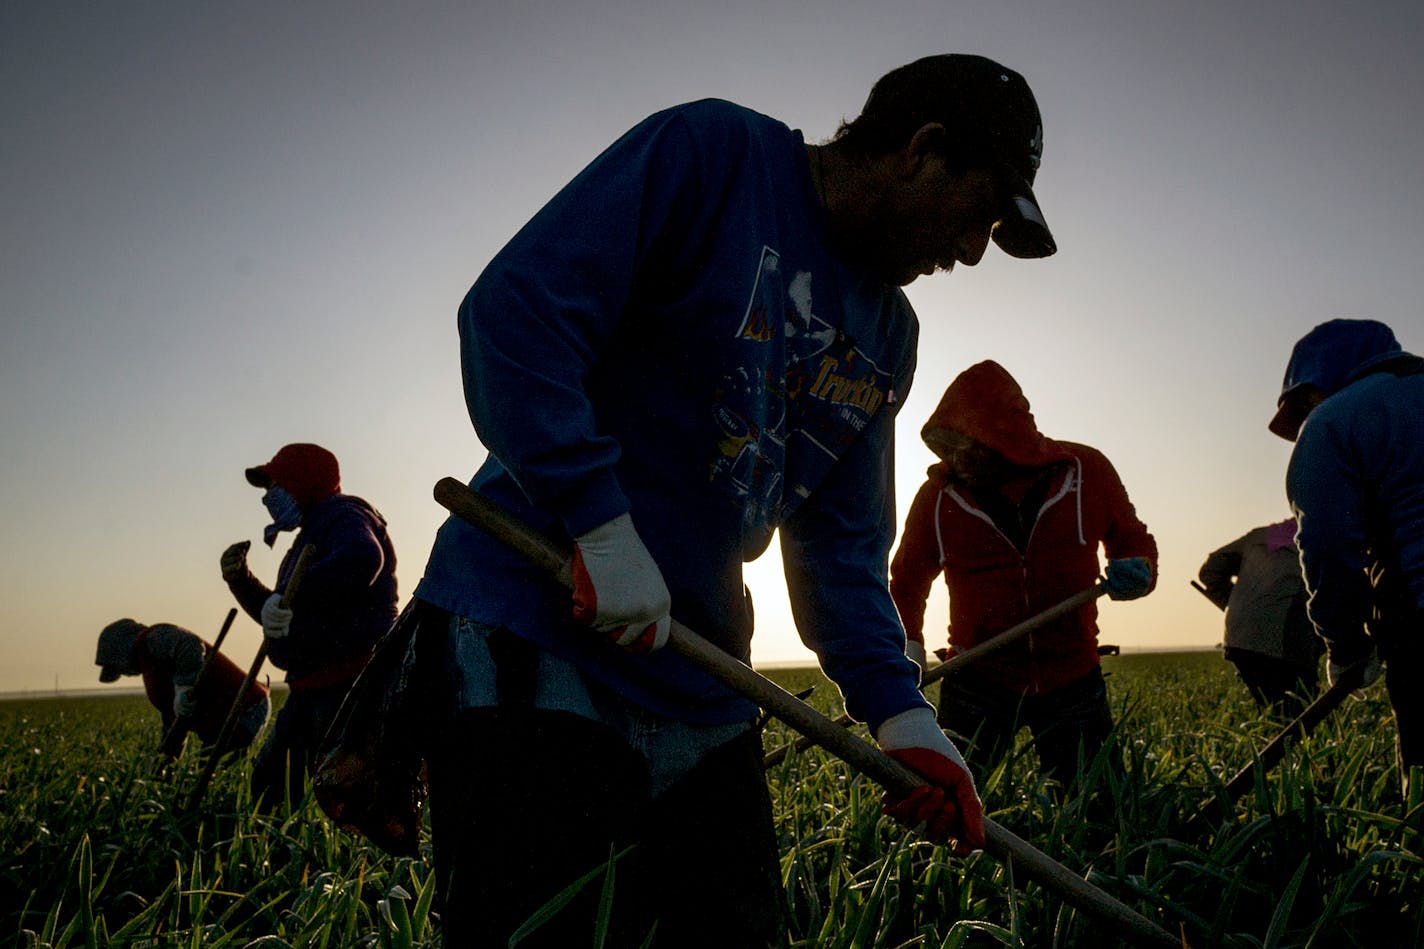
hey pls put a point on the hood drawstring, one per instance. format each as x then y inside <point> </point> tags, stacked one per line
<point>939,531</point>
<point>1072,483</point>
<point>1079,464</point>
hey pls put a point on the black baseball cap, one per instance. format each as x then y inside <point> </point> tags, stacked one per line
<point>992,119</point>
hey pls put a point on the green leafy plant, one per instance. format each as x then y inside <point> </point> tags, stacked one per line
<point>1323,851</point>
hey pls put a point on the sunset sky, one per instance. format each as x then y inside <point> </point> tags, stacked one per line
<point>229,226</point>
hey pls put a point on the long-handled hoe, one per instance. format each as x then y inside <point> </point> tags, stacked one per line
<point>860,755</point>
<point>1012,635</point>
<point>172,741</point>
<point>958,661</point>
<point>303,561</point>
<point>1300,726</point>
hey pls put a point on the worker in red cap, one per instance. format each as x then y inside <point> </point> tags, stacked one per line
<point>1014,521</point>
<point>346,601</point>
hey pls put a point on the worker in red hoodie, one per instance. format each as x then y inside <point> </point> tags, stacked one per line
<point>1014,521</point>
<point>192,692</point>
<point>345,602</point>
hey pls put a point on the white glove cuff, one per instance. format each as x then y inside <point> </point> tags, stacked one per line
<point>917,728</point>
<point>276,620</point>
<point>626,580</point>
<point>916,651</point>
<point>1369,672</point>
<point>608,535</point>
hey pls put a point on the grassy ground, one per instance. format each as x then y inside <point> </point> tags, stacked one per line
<point>1324,852</point>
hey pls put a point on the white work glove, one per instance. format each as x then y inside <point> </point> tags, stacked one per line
<point>916,651</point>
<point>948,805</point>
<point>185,703</point>
<point>1368,673</point>
<point>618,589</point>
<point>276,619</point>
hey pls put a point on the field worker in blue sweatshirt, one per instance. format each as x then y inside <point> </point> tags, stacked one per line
<point>345,602</point>
<point>1353,403</point>
<point>699,342</point>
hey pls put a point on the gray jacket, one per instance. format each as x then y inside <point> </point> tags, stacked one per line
<point>1263,593</point>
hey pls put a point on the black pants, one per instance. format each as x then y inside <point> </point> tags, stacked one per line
<point>282,765</point>
<point>526,801</point>
<point>1401,646</point>
<point>1068,721</point>
<point>1276,684</point>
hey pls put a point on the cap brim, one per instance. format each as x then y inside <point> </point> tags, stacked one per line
<point>109,674</point>
<point>1023,232</point>
<point>1292,409</point>
<point>1287,421</point>
<point>259,478</point>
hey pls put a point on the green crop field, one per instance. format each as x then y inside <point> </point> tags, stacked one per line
<point>1324,851</point>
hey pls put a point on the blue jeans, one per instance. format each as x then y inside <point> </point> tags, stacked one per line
<point>538,775</point>
<point>671,748</point>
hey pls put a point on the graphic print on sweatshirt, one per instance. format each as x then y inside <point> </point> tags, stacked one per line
<point>803,393</point>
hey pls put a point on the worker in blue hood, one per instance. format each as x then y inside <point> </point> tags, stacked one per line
<point>1353,403</point>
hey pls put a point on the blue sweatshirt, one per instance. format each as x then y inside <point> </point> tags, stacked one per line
<point>1356,476</point>
<point>672,337</point>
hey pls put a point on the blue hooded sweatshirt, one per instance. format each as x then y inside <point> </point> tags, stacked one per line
<point>1356,477</point>
<point>671,336</point>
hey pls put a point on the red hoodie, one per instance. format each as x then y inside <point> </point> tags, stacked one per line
<point>992,584</point>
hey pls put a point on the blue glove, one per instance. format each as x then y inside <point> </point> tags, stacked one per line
<point>1129,578</point>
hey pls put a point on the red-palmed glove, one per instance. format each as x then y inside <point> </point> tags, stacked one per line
<point>618,588</point>
<point>948,806</point>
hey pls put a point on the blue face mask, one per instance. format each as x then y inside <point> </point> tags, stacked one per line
<point>285,513</point>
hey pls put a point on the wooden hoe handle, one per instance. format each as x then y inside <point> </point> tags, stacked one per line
<point>304,560</point>
<point>1012,634</point>
<point>864,757</point>
<point>173,740</point>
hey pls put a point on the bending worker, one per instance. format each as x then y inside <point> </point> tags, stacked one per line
<point>1353,402</point>
<point>170,659</point>
<point>1269,639</point>
<point>701,342</point>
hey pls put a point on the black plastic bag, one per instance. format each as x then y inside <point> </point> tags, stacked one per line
<point>369,776</point>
